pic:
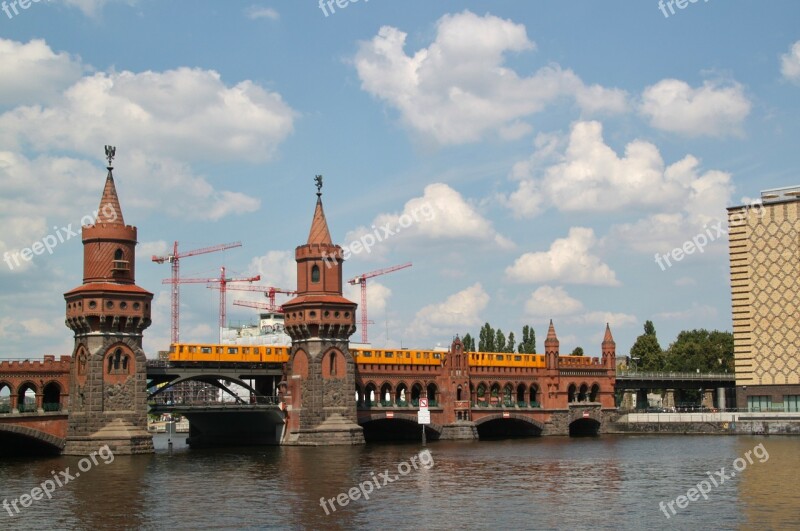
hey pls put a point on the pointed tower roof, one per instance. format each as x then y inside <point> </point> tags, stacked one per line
<point>109,210</point>
<point>551,334</point>
<point>319,233</point>
<point>608,338</point>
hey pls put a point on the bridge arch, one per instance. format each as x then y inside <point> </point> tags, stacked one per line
<point>213,379</point>
<point>503,425</point>
<point>6,392</point>
<point>15,438</point>
<point>51,396</point>
<point>389,426</point>
<point>584,427</point>
<point>27,389</point>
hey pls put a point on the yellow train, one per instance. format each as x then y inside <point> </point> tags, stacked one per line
<point>181,353</point>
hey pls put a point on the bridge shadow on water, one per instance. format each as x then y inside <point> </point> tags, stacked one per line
<point>396,430</point>
<point>16,445</point>
<point>499,429</point>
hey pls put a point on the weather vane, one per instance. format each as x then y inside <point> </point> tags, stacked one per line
<point>111,151</point>
<point>318,182</point>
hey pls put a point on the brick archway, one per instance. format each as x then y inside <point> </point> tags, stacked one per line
<point>56,443</point>
<point>507,416</point>
<point>398,416</point>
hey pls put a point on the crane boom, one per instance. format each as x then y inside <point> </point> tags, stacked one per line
<point>174,260</point>
<point>362,280</point>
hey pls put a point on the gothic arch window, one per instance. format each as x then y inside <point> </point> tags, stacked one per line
<point>333,362</point>
<point>315,273</point>
<point>118,363</point>
<point>118,254</point>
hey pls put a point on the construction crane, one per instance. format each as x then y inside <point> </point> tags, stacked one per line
<point>259,305</point>
<point>362,279</point>
<point>175,260</point>
<point>220,283</point>
<point>268,291</point>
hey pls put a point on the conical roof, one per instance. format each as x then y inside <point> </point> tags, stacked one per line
<point>608,338</point>
<point>110,210</point>
<point>551,334</point>
<point>319,233</point>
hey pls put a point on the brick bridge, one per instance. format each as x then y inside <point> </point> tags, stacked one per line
<point>34,401</point>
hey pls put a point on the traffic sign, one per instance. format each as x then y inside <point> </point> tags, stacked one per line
<point>423,403</point>
<point>424,416</point>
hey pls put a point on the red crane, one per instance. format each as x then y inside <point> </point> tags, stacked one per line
<point>222,283</point>
<point>175,260</point>
<point>259,305</point>
<point>268,291</point>
<point>362,279</point>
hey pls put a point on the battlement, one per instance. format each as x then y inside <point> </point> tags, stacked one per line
<point>48,364</point>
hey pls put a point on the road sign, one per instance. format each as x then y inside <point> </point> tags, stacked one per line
<point>506,414</point>
<point>586,414</point>
<point>424,416</point>
<point>423,403</point>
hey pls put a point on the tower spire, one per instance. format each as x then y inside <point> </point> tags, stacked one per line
<point>110,210</point>
<point>319,233</point>
<point>551,335</point>
<point>608,338</point>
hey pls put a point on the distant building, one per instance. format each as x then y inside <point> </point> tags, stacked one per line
<point>765,277</point>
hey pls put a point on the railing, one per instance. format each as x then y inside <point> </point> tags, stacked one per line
<point>646,375</point>
<point>51,407</point>
<point>5,408</point>
<point>27,408</point>
<point>257,400</point>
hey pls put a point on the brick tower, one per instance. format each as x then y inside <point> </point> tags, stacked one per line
<point>551,354</point>
<point>320,404</point>
<point>108,313</point>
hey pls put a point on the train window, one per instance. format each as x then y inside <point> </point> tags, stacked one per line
<point>389,354</point>
<point>232,350</point>
<point>219,350</point>
<point>517,358</point>
<point>366,353</point>
<point>408,354</point>
<point>418,355</point>
<point>172,348</point>
<point>205,350</point>
<point>180,349</point>
<point>269,350</point>
<point>246,350</point>
<point>437,356</point>
<point>499,357</point>
<point>192,349</point>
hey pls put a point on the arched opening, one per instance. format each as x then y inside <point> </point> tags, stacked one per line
<point>359,396</point>
<point>494,394</point>
<point>584,428</point>
<point>595,393</point>
<point>51,397</point>
<point>332,371</point>
<point>534,396</point>
<point>118,362</point>
<point>458,393</point>
<point>118,254</point>
<point>401,395</point>
<point>386,395</point>
<point>507,428</point>
<point>28,442</point>
<point>432,395</point>
<point>571,390</point>
<point>402,427</point>
<point>508,392</point>
<point>5,398</point>
<point>521,396</point>
<point>370,393</point>
<point>471,394</point>
<point>26,398</point>
<point>416,392</point>
<point>315,273</point>
<point>583,395</point>
<point>481,395</point>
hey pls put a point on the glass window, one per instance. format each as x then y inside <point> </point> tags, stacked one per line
<point>791,403</point>
<point>232,350</point>
<point>315,274</point>
<point>206,350</point>
<point>759,403</point>
<point>389,354</point>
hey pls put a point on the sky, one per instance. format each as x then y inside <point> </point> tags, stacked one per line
<point>533,160</point>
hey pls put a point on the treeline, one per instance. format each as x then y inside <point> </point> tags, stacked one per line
<point>491,340</point>
<point>692,350</point>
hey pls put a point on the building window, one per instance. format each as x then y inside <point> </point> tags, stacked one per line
<point>791,403</point>
<point>759,403</point>
<point>315,274</point>
<point>333,364</point>
<point>118,363</point>
<point>118,254</point>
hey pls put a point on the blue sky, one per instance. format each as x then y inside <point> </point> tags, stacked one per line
<point>539,154</point>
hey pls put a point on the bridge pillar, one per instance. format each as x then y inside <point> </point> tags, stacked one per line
<point>708,398</point>
<point>721,401</point>
<point>641,399</point>
<point>627,400</point>
<point>669,399</point>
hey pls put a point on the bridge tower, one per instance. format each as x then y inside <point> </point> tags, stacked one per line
<point>609,356</point>
<point>108,314</point>
<point>551,344</point>
<point>320,405</point>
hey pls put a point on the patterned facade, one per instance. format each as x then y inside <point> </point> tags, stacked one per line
<point>765,276</point>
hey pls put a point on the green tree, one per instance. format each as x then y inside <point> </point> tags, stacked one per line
<point>510,343</point>
<point>577,352</point>
<point>486,339</point>
<point>469,343</point>
<point>646,353</point>
<point>528,343</point>
<point>499,341</point>
<point>701,350</point>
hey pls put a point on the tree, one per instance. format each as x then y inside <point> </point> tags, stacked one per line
<point>499,341</point>
<point>510,343</point>
<point>577,352</point>
<point>646,353</point>
<point>486,339</point>
<point>469,343</point>
<point>528,343</point>
<point>701,350</point>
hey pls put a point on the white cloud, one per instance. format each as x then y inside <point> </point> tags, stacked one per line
<point>790,63</point>
<point>459,311</point>
<point>615,320</point>
<point>277,269</point>
<point>186,113</point>
<point>548,301</point>
<point>569,261</point>
<point>33,73</point>
<point>155,248</point>
<point>696,313</point>
<point>458,89</point>
<point>255,12</point>
<point>92,8</point>
<point>441,214</point>
<point>711,110</point>
<point>377,298</point>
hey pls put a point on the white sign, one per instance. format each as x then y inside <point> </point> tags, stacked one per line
<point>424,416</point>
<point>423,403</point>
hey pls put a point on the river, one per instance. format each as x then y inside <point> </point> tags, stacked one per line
<point>609,482</point>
